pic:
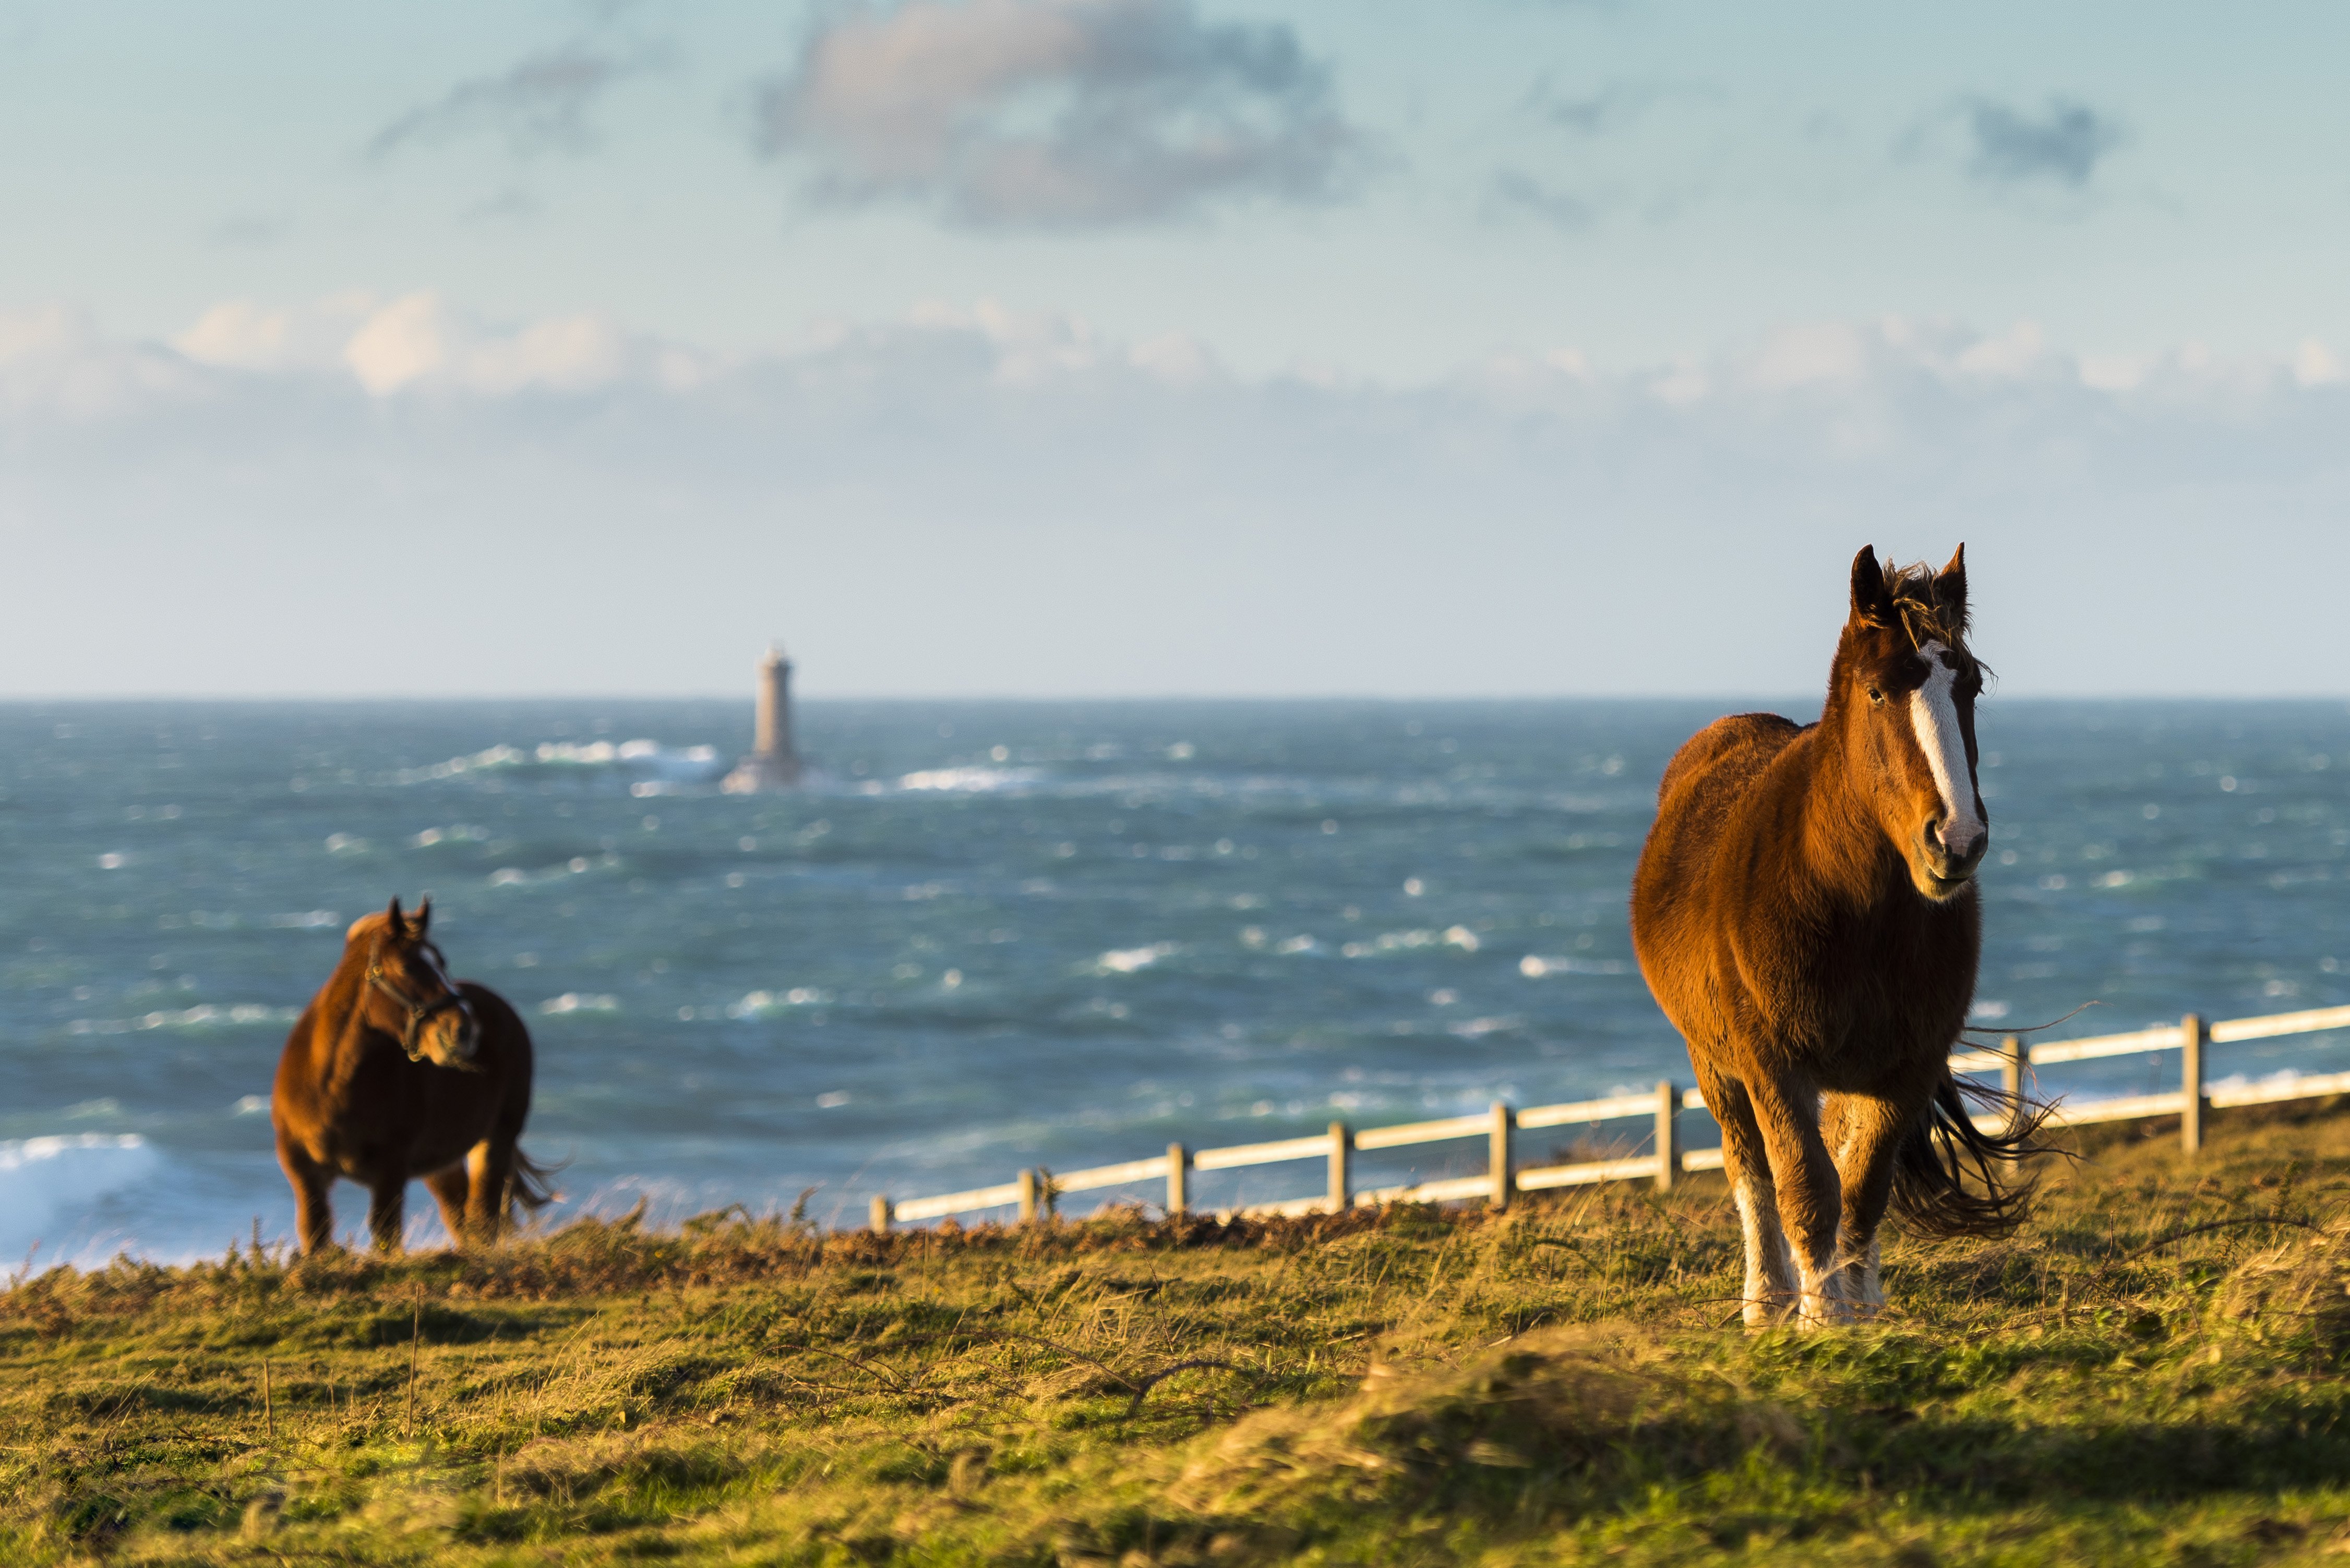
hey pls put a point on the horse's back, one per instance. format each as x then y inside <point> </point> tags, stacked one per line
<point>1716,772</point>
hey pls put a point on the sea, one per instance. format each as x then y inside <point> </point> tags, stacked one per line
<point>991,935</point>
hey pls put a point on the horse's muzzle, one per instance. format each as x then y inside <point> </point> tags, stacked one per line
<point>448,1045</point>
<point>1946,871</point>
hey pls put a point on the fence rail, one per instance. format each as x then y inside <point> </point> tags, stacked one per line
<point>1036,1189</point>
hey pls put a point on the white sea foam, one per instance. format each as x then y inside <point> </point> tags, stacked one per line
<point>1534,966</point>
<point>759,1004</point>
<point>46,1184</point>
<point>489,760</point>
<point>1400,941</point>
<point>203,1016</point>
<point>970,780</point>
<point>679,764</point>
<point>1126,961</point>
<point>578,1001</point>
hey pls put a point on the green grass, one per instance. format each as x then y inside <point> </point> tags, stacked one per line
<point>1564,1383</point>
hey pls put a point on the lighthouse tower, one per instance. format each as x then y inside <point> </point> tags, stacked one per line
<point>773,763</point>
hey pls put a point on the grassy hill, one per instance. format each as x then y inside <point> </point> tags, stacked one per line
<point>2150,1373</point>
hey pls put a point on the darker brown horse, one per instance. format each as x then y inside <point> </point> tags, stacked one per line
<point>1806,913</point>
<point>394,1072</point>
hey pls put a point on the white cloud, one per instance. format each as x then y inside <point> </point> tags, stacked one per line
<point>240,334</point>
<point>419,341</point>
<point>1055,112</point>
<point>55,363</point>
<point>401,344</point>
<point>2315,365</point>
<point>981,498</point>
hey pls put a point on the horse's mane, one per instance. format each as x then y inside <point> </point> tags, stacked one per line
<point>1916,598</point>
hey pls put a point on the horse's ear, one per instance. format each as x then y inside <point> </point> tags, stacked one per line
<point>1871,603</point>
<point>424,915</point>
<point>393,915</point>
<point>1950,585</point>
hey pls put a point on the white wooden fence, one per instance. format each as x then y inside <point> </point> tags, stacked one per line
<point>1034,1189</point>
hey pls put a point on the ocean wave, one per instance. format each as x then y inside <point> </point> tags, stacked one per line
<point>203,1015</point>
<point>760,1003</point>
<point>578,1001</point>
<point>43,1180</point>
<point>1460,937</point>
<point>1126,961</point>
<point>679,764</point>
<point>970,780</point>
<point>578,865</point>
<point>483,761</point>
<point>1534,966</point>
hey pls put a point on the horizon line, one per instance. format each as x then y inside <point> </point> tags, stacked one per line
<point>802,698</point>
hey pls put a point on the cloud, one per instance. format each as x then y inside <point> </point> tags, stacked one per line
<point>2064,144</point>
<point>978,498</point>
<point>540,105</point>
<point>1611,107</point>
<point>419,343</point>
<point>250,230</point>
<point>1515,189</point>
<point>1056,113</point>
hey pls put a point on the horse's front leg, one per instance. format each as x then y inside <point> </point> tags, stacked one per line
<point>1769,1272</point>
<point>386,1209</point>
<point>314,1215</point>
<point>1810,1200</point>
<point>449,1188</point>
<point>1867,1133</point>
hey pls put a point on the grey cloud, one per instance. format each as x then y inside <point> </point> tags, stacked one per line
<point>249,230</point>
<point>1065,113</point>
<point>541,104</point>
<point>2064,144</point>
<point>512,203</point>
<point>1515,189</point>
<point>1612,107</point>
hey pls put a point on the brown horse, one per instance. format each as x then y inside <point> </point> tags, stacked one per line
<point>1806,913</point>
<point>395,1070</point>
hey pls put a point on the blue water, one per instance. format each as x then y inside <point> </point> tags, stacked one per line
<point>991,935</point>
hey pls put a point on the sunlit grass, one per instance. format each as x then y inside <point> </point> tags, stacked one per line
<point>2150,1373</point>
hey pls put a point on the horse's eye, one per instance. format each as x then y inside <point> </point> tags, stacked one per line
<point>1875,695</point>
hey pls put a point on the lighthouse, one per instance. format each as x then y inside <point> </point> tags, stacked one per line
<point>773,763</point>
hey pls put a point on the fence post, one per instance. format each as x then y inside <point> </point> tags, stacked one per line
<point>2192,1033</point>
<point>2010,1071</point>
<point>1027,1197</point>
<point>1668,1134</point>
<point>1499,1156</point>
<point>1179,1166</point>
<point>1342,1149</point>
<point>881,1214</point>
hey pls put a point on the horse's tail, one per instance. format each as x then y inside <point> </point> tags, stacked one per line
<point>1952,1177</point>
<point>531,1187</point>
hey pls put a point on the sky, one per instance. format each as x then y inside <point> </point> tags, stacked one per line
<point>1043,348</point>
